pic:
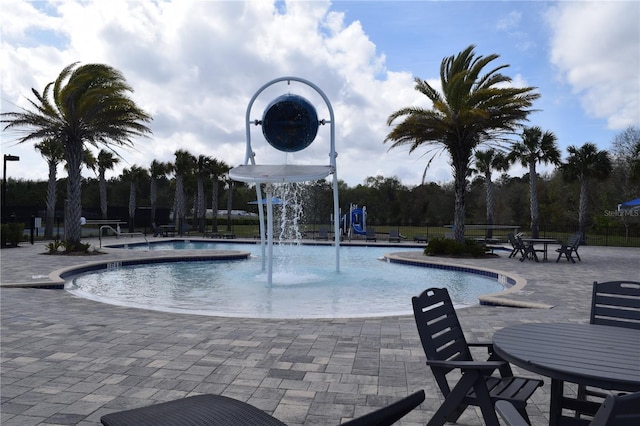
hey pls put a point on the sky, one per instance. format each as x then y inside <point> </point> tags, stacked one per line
<point>195,65</point>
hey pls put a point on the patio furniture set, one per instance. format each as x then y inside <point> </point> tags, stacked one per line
<point>601,357</point>
<point>528,248</point>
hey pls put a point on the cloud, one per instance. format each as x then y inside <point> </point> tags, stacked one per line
<point>595,47</point>
<point>195,65</point>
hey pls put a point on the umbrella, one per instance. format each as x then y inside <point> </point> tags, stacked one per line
<point>630,205</point>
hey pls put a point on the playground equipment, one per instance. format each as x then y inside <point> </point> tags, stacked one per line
<point>289,124</point>
<point>356,222</point>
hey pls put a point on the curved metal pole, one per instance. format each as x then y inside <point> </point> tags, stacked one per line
<point>249,157</point>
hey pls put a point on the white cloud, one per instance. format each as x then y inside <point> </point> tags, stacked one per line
<point>596,48</point>
<point>194,66</point>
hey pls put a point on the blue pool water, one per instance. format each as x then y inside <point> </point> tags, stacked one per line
<point>305,283</point>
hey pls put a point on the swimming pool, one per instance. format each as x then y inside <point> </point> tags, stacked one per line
<point>305,283</point>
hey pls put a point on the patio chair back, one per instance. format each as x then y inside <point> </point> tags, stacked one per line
<point>616,303</point>
<point>447,349</point>
<point>440,331</point>
<point>516,244</point>
<point>571,248</point>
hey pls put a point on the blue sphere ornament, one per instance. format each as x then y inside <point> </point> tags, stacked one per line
<point>290,123</point>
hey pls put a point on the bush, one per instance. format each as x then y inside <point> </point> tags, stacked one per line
<point>449,247</point>
<point>12,234</point>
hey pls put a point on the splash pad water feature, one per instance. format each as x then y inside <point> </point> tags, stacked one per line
<point>289,124</point>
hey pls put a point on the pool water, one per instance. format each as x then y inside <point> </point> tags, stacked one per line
<point>305,283</point>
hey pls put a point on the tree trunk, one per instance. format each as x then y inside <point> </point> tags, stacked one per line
<point>103,196</point>
<point>229,205</point>
<point>51,200</point>
<point>132,205</point>
<point>214,203</point>
<point>153,196</point>
<point>582,213</point>
<point>460,177</point>
<point>201,205</point>
<point>533,184</point>
<point>73,229</point>
<point>179,202</point>
<point>490,204</point>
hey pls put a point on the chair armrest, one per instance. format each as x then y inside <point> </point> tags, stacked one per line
<point>509,414</point>
<point>467,365</point>
<point>387,416</point>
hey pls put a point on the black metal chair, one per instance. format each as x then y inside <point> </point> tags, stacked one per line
<point>571,248</point>
<point>616,410</point>
<point>446,349</point>
<point>516,245</point>
<point>616,304</point>
<point>217,410</point>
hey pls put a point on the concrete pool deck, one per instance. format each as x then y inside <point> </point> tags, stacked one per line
<point>67,360</point>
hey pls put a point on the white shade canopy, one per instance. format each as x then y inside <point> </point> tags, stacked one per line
<point>280,173</point>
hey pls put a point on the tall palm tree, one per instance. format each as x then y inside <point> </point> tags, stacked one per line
<point>52,151</point>
<point>583,164</point>
<point>87,104</point>
<point>535,147</point>
<point>106,161</point>
<point>183,166</point>
<point>134,175</point>
<point>157,170</point>
<point>474,108</point>
<point>486,162</point>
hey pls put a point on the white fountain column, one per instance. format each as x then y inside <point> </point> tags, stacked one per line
<point>251,172</point>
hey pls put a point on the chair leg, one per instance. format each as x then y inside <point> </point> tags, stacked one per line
<point>451,407</point>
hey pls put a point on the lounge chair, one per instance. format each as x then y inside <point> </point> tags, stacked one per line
<point>616,304</point>
<point>157,231</point>
<point>571,248</point>
<point>323,234</point>
<point>394,236</point>
<point>371,234</point>
<point>616,410</point>
<point>516,244</point>
<point>447,349</point>
<point>217,410</point>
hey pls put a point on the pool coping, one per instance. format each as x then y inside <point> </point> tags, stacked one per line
<point>55,279</point>
<point>512,282</point>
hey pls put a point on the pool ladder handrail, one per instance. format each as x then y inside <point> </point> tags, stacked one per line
<point>122,233</point>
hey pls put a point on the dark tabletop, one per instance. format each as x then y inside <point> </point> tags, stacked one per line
<point>595,355</point>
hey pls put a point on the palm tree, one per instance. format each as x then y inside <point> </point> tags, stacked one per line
<point>52,151</point>
<point>87,104</point>
<point>474,108</point>
<point>184,165</point>
<point>134,175</point>
<point>157,169</point>
<point>486,162</point>
<point>583,164</point>
<point>535,147</point>
<point>106,161</point>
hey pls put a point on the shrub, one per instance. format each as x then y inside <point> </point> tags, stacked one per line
<point>12,234</point>
<point>449,247</point>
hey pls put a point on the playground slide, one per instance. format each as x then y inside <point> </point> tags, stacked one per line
<point>357,217</point>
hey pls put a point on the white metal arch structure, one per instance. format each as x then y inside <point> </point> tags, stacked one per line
<point>251,172</point>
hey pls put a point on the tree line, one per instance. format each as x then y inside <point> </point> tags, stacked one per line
<point>191,185</point>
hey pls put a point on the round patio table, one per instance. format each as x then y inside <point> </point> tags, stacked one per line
<point>594,355</point>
